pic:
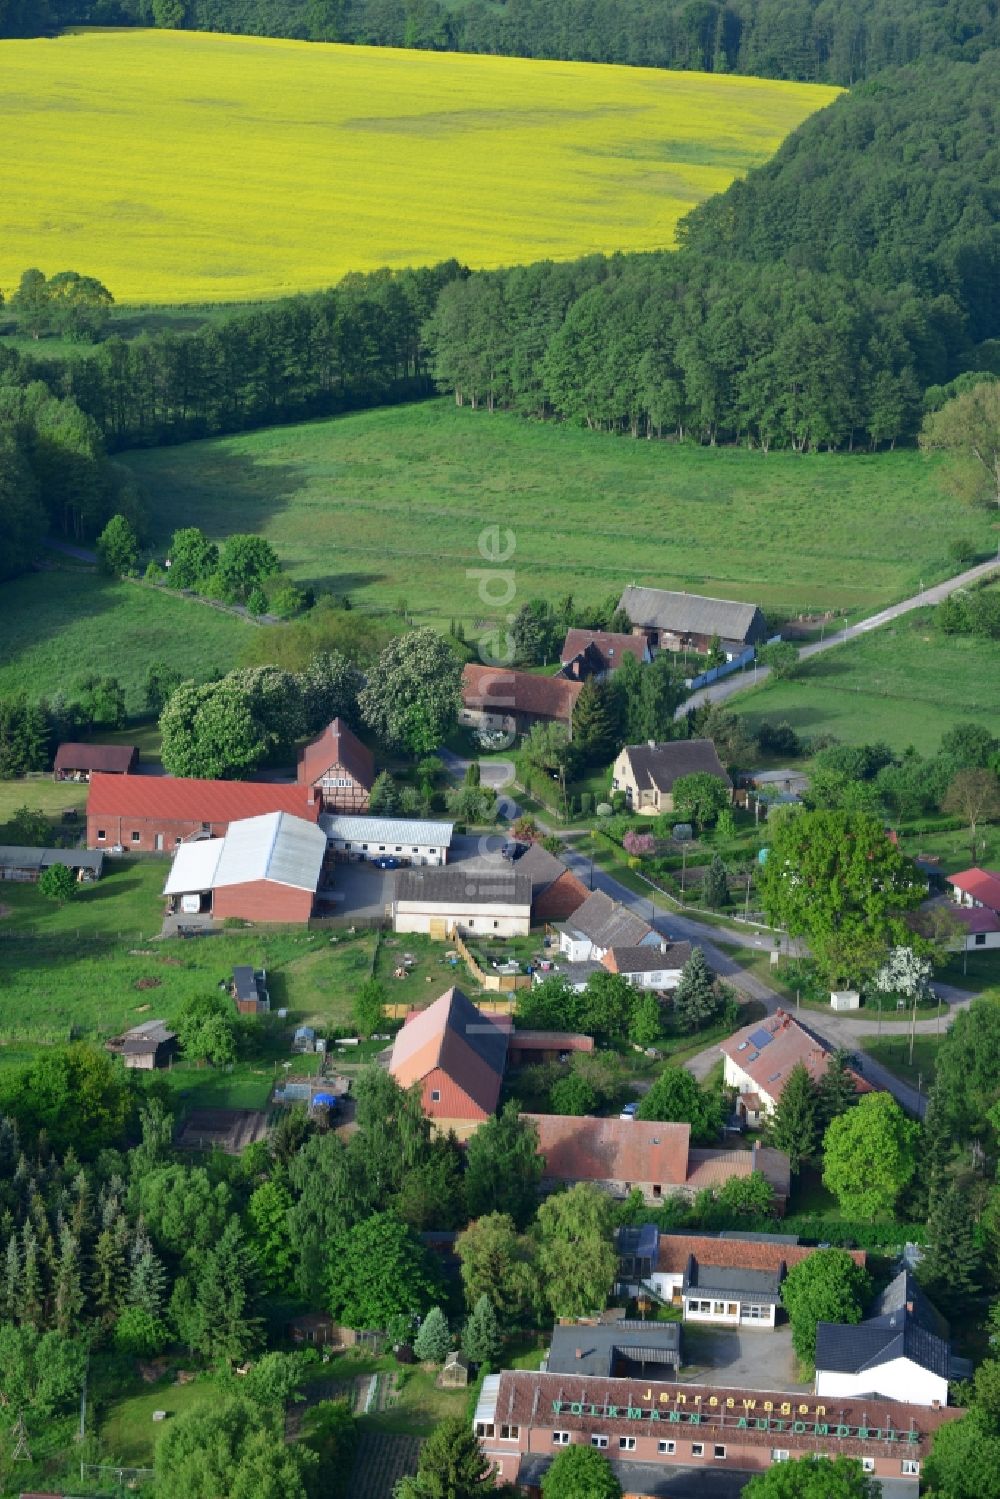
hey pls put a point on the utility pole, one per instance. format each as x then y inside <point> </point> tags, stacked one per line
<point>913,1025</point>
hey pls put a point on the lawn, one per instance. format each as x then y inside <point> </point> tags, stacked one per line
<point>392,503</point>
<point>303,161</point>
<point>894,1053</point>
<point>58,626</point>
<point>77,969</point>
<point>905,684</point>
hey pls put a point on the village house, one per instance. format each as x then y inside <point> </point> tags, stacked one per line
<point>457,1055</point>
<point>723,1280</point>
<point>473,902</point>
<point>900,1350</point>
<point>665,1438</point>
<point>598,653</point>
<point>626,1155</point>
<point>156,814</point>
<point>689,621</point>
<point>759,1059</point>
<point>977,906</point>
<point>647,772</point>
<point>145,1047</point>
<point>25,865</point>
<point>263,869</point>
<point>77,762</point>
<point>498,699</point>
<point>648,967</point>
<point>556,892</point>
<point>411,840</point>
<point>599,924</point>
<point>339,768</point>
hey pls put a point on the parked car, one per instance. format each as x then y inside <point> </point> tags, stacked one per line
<point>387,861</point>
<point>512,851</point>
<point>629,1111</point>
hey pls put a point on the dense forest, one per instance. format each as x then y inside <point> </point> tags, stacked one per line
<point>827,41</point>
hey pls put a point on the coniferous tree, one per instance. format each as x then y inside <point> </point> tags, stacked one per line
<point>481,1340</point>
<point>593,723</point>
<point>793,1127</point>
<point>716,887</point>
<point>836,1090</point>
<point>433,1338</point>
<point>109,1274</point>
<point>951,1269</point>
<point>12,1282</point>
<point>31,1292</point>
<point>695,1000</point>
<point>69,1298</point>
<point>147,1278</point>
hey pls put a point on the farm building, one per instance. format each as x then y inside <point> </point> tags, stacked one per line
<point>339,768</point>
<point>647,772</point>
<point>410,840</point>
<point>264,869</point>
<point>977,906</point>
<point>615,1347</point>
<point>145,1046</point>
<point>678,621</point>
<point>555,890</point>
<point>457,1055</point>
<point>597,653</point>
<point>494,903</point>
<point>24,865</point>
<point>156,814</point>
<point>529,1048</point>
<point>759,1060</point>
<point>498,699</point>
<point>77,762</point>
<point>248,988</point>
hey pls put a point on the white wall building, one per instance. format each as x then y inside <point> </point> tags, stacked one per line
<point>410,840</point>
<point>475,902</point>
<point>900,1352</point>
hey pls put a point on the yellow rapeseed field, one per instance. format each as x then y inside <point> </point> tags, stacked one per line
<point>189,167</point>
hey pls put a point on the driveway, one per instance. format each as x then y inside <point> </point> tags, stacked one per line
<point>496,774</point>
<point>740,1358</point>
<point>717,692</point>
<point>360,890</point>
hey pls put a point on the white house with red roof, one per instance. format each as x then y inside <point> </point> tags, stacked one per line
<point>760,1058</point>
<point>977,906</point>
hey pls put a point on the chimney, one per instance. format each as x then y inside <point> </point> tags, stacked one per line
<point>311,796</point>
<point>663,946</point>
<point>578,1353</point>
<point>909,1307</point>
<point>651,743</point>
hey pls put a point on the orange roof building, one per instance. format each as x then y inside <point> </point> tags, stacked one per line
<point>760,1058</point>
<point>496,698</point>
<point>456,1055</point>
<point>340,767</point>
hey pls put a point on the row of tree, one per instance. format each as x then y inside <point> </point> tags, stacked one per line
<point>842,43</point>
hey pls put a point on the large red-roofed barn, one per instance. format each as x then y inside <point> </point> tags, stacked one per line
<point>154,814</point>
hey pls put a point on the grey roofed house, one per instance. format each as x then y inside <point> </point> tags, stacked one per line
<point>616,1349</point>
<point>457,885</point>
<point>407,832</point>
<point>658,766</point>
<point>761,1286</point>
<point>606,923</point>
<point>542,868</point>
<point>693,615</point>
<point>903,1323</point>
<point>26,863</point>
<point>904,1295</point>
<point>650,959</point>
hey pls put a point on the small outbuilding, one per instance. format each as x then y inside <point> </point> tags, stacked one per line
<point>249,990</point>
<point>455,1374</point>
<point>145,1047</point>
<point>25,865</point>
<point>77,762</point>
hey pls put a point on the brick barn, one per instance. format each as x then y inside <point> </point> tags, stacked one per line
<point>155,814</point>
<point>457,1056</point>
<point>264,869</point>
<point>339,768</point>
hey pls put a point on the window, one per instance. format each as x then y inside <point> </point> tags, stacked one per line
<point>560,1439</point>
<point>430,850</point>
<point>626,1444</point>
<point>657,1190</point>
<point>365,847</point>
<point>399,848</point>
<point>472,921</point>
<point>697,1449</point>
<point>485,1429</point>
<point>381,848</point>
<point>756,1313</point>
<point>509,1433</point>
<point>667,1447</point>
<point>910,1467</point>
<point>136,837</point>
<point>980,939</point>
<point>176,840</point>
<point>414,850</point>
<point>435,1095</point>
<point>779,1454</point>
<point>731,1308</point>
<point>868,1464</point>
<point>699,1306</point>
<point>496,924</point>
<point>599,1441</point>
<point>718,1451</point>
<point>102,834</point>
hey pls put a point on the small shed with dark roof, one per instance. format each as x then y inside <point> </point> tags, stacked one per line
<point>24,864</point>
<point>145,1046</point>
<point>77,762</point>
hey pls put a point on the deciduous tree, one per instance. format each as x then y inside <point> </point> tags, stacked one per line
<point>503,1167</point>
<point>974,795</point>
<point>676,1096</point>
<point>576,1257</point>
<point>869,1156</point>
<point>966,430</point>
<point>700,797</point>
<point>377,1272</point>
<point>579,1472</point>
<point>826,1287</point>
<point>57,883</point>
<point>813,1477</point>
<point>498,1263</point>
<point>412,695</point>
<point>118,546</point>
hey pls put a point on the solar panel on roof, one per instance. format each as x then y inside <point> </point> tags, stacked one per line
<point>761,1037</point>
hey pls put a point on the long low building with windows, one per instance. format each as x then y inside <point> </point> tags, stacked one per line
<point>692,1440</point>
<point>411,840</point>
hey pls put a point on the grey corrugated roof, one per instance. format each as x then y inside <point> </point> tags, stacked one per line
<point>601,1345</point>
<point>21,856</point>
<point>660,765</point>
<point>409,831</point>
<point>460,885</point>
<point>691,613</point>
<point>846,1349</point>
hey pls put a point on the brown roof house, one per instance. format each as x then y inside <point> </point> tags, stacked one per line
<point>597,653</point>
<point>339,768</point>
<point>555,890</point>
<point>673,621</point>
<point>145,1046</point>
<point>456,1054</point>
<point>759,1060</point>
<point>626,1155</point>
<point>497,699</point>
<point>77,762</point>
<point>647,772</point>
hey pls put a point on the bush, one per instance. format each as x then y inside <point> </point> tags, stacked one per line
<point>586,803</point>
<point>140,1334</point>
<point>603,809</point>
<point>154,573</point>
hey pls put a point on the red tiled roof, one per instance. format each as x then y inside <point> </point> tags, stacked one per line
<point>117,758</point>
<point>982,884</point>
<point>176,799</point>
<point>452,1037</point>
<point>611,647</point>
<point>770,1065</point>
<point>736,1254</point>
<point>550,1041</point>
<point>713,1168</point>
<point>337,745</point>
<point>499,689</point>
<point>598,1150</point>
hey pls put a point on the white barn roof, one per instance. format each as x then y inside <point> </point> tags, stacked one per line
<point>278,847</point>
<point>401,831</point>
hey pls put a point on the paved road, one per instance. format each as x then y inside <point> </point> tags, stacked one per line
<point>717,692</point>
<point>82,554</point>
<point>836,1029</point>
<point>494,773</point>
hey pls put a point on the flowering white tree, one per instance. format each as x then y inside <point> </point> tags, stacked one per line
<point>906,973</point>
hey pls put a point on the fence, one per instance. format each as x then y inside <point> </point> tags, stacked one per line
<point>494,983</point>
<point>717,672</point>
